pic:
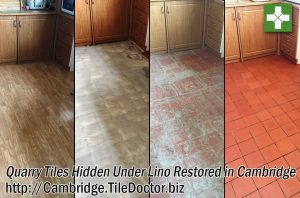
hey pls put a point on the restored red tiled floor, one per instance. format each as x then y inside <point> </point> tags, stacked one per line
<point>262,124</point>
<point>187,118</point>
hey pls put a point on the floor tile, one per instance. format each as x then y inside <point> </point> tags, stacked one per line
<point>270,124</point>
<point>293,159</point>
<point>257,129</point>
<point>229,190</point>
<point>250,120</point>
<point>232,153</point>
<point>270,153</point>
<point>290,187</point>
<point>243,186</point>
<point>242,134</point>
<point>255,159</point>
<point>254,195</point>
<point>265,94</point>
<point>263,140</point>
<point>272,190</point>
<point>187,100</point>
<point>247,146</point>
<point>277,134</point>
<point>290,128</point>
<point>285,146</point>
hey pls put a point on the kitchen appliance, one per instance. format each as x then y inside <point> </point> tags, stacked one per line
<point>36,4</point>
<point>68,6</point>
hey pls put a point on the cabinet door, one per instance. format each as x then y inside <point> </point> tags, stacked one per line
<point>254,41</point>
<point>158,34</point>
<point>8,39</point>
<point>36,37</point>
<point>185,23</point>
<point>232,51</point>
<point>83,28</point>
<point>110,20</point>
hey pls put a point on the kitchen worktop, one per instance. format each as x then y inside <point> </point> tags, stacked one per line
<point>28,12</point>
<point>247,3</point>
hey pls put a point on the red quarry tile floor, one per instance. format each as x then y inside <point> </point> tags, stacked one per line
<point>262,105</point>
<point>187,118</point>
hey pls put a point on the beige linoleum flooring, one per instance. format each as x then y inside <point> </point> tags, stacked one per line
<point>112,110</point>
<point>36,121</point>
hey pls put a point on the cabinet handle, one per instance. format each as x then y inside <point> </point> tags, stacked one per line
<point>15,23</point>
<point>20,24</point>
<point>239,16</point>
<point>168,10</point>
<point>93,2</point>
<point>233,16</point>
<point>87,1</point>
<point>162,9</point>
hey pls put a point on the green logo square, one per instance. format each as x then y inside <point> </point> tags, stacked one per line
<point>278,18</point>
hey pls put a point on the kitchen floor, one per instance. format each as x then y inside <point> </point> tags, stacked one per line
<point>187,117</point>
<point>112,110</point>
<point>36,119</point>
<point>263,124</point>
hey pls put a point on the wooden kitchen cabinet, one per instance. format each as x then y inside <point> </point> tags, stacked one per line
<point>99,21</point>
<point>110,20</point>
<point>254,41</point>
<point>64,40</point>
<point>185,23</point>
<point>83,28</point>
<point>8,39</point>
<point>232,51</point>
<point>140,21</point>
<point>36,37</point>
<point>158,34</point>
<point>214,25</point>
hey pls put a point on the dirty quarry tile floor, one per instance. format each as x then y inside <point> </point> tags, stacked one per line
<point>187,118</point>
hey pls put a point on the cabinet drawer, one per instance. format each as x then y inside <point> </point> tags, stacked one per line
<point>215,10</point>
<point>66,24</point>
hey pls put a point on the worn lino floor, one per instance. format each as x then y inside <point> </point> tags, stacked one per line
<point>187,122</point>
<point>263,125</point>
<point>112,110</point>
<point>36,121</point>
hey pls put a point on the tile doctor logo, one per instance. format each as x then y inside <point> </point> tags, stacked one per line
<point>278,18</point>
